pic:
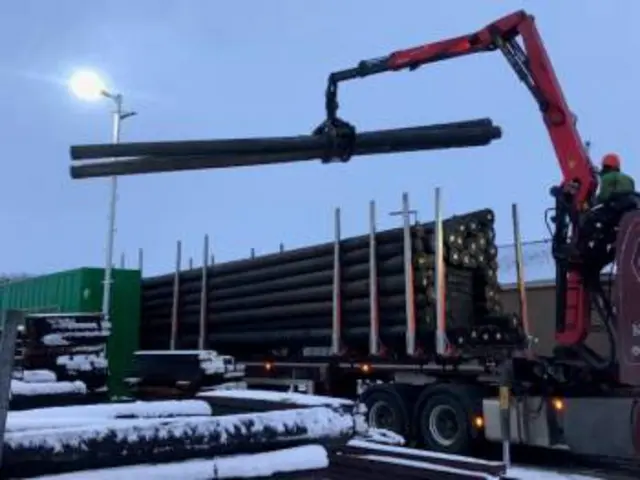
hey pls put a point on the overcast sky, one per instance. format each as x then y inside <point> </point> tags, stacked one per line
<point>205,69</point>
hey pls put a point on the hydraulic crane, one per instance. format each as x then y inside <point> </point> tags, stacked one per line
<point>577,274</point>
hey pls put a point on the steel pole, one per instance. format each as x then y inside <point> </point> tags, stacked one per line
<point>118,115</point>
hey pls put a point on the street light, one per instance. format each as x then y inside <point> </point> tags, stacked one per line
<point>87,85</point>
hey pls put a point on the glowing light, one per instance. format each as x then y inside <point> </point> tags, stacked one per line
<point>87,85</point>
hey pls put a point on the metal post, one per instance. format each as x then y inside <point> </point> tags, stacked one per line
<point>12,319</point>
<point>118,116</point>
<point>123,261</point>
<point>374,306</point>
<point>440,287</point>
<point>281,247</point>
<point>253,253</point>
<point>336,332</point>
<point>176,297</point>
<point>140,260</point>
<point>213,259</point>
<point>409,297</point>
<point>202,334</point>
<point>522,292</point>
<point>506,373</point>
<point>190,263</point>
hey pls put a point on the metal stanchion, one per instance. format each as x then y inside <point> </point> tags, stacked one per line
<point>336,334</point>
<point>176,297</point>
<point>202,334</point>
<point>374,306</point>
<point>506,375</point>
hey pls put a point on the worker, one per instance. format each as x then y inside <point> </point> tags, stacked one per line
<point>612,180</point>
<point>598,227</point>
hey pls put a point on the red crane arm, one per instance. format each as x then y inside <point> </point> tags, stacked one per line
<point>533,67</point>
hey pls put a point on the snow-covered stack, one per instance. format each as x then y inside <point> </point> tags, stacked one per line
<point>37,388</point>
<point>40,442</point>
<point>73,346</point>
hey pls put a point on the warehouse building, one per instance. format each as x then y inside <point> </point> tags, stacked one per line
<point>540,287</point>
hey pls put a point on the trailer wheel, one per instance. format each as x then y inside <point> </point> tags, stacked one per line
<point>386,410</point>
<point>444,425</point>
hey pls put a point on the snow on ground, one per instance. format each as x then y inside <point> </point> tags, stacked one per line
<point>309,457</point>
<point>281,397</point>
<point>58,417</point>
<point>520,473</point>
<point>18,387</point>
<point>387,450</point>
<point>380,436</point>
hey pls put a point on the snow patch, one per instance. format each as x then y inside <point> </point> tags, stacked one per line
<point>417,453</point>
<point>281,397</point>
<point>35,376</point>
<point>522,473</point>
<point>83,362</point>
<point>70,323</point>
<point>309,457</point>
<point>426,466</point>
<point>85,415</point>
<point>379,435</point>
<point>19,387</point>
<point>63,339</point>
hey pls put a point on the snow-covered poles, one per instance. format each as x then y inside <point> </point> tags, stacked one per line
<point>105,442</point>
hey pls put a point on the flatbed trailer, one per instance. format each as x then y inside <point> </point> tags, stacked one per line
<point>451,406</point>
<point>444,403</point>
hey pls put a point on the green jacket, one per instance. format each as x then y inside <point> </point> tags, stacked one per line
<point>615,182</point>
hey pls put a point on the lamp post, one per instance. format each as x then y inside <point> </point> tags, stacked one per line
<point>88,86</point>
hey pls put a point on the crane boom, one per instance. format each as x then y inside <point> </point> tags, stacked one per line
<point>533,67</point>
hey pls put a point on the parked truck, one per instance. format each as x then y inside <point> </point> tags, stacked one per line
<point>422,370</point>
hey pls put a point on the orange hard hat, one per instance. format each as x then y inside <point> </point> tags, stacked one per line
<point>611,160</point>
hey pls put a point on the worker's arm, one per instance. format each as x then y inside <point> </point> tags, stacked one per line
<point>607,186</point>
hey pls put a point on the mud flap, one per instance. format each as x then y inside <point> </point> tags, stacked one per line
<point>627,288</point>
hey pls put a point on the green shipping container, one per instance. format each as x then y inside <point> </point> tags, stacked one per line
<point>80,291</point>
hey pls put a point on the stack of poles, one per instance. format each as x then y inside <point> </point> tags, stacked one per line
<point>367,294</point>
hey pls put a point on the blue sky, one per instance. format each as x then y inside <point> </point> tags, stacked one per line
<point>205,69</point>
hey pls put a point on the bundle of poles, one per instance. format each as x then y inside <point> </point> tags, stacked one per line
<point>140,158</point>
<point>71,345</point>
<point>362,294</point>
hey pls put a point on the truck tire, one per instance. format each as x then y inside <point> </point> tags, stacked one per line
<point>444,424</point>
<point>387,409</point>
